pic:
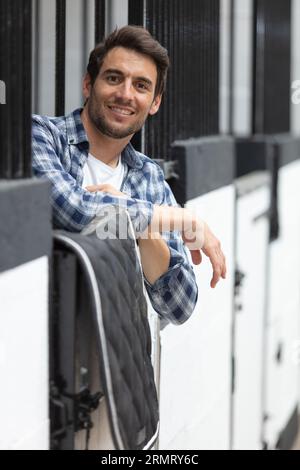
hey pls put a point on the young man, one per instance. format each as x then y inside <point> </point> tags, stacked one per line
<point>91,164</point>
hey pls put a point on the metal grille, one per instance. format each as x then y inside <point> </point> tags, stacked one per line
<point>15,73</point>
<point>190,31</point>
<point>99,20</point>
<point>272,64</point>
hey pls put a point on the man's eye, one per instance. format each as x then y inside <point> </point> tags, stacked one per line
<point>142,86</point>
<point>113,79</point>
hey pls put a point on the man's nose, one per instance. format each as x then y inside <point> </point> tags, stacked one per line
<point>125,90</point>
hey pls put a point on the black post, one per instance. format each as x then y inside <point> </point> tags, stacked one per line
<point>15,76</point>
<point>136,12</point>
<point>27,93</point>
<point>5,106</point>
<point>271,66</point>
<point>99,20</point>
<point>60,57</point>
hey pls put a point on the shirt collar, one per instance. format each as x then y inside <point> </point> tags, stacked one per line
<point>76,135</point>
<point>75,131</point>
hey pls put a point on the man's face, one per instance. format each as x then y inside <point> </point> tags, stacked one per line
<point>123,93</point>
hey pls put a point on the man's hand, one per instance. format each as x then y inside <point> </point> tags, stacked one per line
<point>195,233</point>
<point>105,188</point>
<point>200,237</point>
<point>212,249</point>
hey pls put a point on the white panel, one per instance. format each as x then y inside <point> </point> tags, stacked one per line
<point>24,356</point>
<point>196,356</point>
<point>243,24</point>
<point>74,55</point>
<point>251,258</point>
<point>46,58</point>
<point>117,14</point>
<point>284,308</point>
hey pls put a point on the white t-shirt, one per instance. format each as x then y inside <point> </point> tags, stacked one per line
<point>97,172</point>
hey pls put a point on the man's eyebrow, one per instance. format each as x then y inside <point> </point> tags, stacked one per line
<point>118,72</point>
<point>146,80</point>
<point>107,71</point>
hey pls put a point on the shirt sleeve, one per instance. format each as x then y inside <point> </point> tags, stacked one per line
<point>73,207</point>
<point>174,294</point>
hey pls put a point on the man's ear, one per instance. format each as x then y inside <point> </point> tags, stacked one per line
<point>155,105</point>
<point>86,85</point>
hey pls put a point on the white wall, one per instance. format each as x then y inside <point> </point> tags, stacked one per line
<point>24,359</point>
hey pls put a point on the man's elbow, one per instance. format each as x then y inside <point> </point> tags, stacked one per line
<point>181,312</point>
<point>68,222</point>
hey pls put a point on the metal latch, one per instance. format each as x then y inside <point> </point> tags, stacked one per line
<point>169,168</point>
<point>60,411</point>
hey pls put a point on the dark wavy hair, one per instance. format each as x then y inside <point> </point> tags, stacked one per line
<point>137,39</point>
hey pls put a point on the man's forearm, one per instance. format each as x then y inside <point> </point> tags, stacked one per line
<point>169,218</point>
<point>155,257</point>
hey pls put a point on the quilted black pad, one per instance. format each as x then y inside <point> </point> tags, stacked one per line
<point>119,308</point>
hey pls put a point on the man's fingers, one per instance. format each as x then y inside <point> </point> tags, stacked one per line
<point>196,256</point>
<point>224,268</point>
<point>215,278</point>
<point>218,262</point>
<point>91,188</point>
<point>108,188</point>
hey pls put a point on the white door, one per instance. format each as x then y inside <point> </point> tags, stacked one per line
<point>195,376</point>
<point>24,358</point>
<point>283,351</point>
<point>251,252</point>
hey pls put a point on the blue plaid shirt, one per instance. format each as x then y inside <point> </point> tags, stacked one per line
<point>60,150</point>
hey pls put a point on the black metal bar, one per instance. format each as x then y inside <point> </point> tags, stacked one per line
<point>16,99</point>
<point>62,329</point>
<point>136,12</point>
<point>60,57</point>
<point>27,60</point>
<point>99,20</point>
<point>271,64</point>
<point>36,54</point>
<point>5,108</point>
<point>15,72</point>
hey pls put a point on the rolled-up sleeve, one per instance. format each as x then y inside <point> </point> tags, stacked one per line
<point>174,294</point>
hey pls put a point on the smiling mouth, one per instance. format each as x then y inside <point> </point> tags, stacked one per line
<point>121,111</point>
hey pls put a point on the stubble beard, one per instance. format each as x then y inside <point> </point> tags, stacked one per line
<point>100,122</point>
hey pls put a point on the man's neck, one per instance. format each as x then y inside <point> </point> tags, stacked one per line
<point>105,149</point>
